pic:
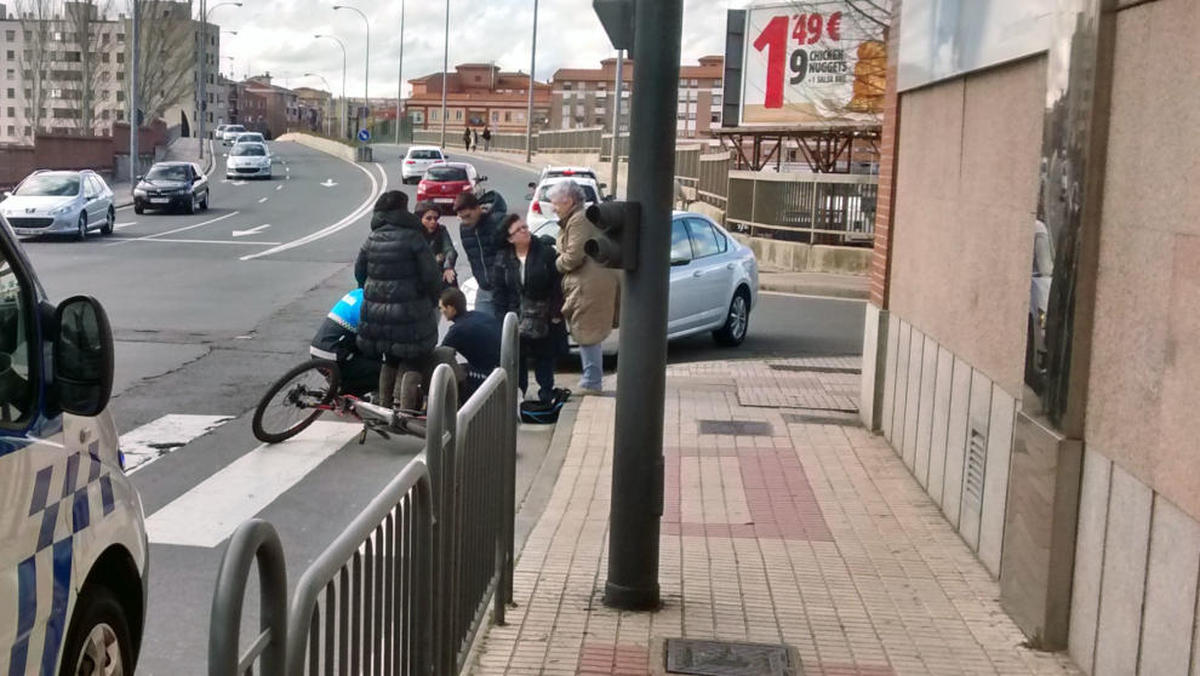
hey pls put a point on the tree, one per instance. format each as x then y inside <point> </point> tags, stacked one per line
<point>87,31</point>
<point>167,58</point>
<point>35,18</point>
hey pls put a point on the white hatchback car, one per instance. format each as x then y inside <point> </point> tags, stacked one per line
<point>75,551</point>
<point>417,160</point>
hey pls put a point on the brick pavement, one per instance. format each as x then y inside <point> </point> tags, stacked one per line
<point>814,535</point>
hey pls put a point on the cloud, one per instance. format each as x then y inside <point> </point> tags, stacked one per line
<point>277,36</point>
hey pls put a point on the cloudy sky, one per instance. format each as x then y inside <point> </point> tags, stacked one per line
<point>277,36</point>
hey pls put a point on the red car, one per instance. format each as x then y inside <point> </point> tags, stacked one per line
<point>443,182</point>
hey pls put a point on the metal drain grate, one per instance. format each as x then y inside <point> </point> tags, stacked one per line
<point>741,428</point>
<point>976,462</point>
<point>723,658</point>
<point>849,420</point>
<point>797,368</point>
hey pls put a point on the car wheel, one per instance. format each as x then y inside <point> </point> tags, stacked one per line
<point>98,641</point>
<point>204,203</point>
<point>138,208</point>
<point>737,321</point>
<point>191,205</point>
<point>109,222</point>
<point>81,228</point>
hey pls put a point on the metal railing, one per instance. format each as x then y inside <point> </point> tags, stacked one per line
<point>502,142</point>
<point>687,165</point>
<point>570,140</point>
<point>713,184</point>
<point>408,584</point>
<point>606,147</point>
<point>812,208</point>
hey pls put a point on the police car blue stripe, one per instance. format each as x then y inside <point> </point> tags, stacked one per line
<point>80,511</point>
<point>41,490</point>
<point>106,494</point>
<point>58,607</point>
<point>94,458</point>
<point>46,534</point>
<point>26,610</point>
<point>72,476</point>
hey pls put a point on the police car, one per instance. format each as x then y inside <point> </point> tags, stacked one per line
<point>73,562</point>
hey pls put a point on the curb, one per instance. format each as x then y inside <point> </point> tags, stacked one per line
<point>533,503</point>
<point>802,289</point>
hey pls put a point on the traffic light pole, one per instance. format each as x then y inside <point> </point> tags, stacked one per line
<point>637,485</point>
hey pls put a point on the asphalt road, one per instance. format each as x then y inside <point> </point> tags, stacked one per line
<point>209,309</point>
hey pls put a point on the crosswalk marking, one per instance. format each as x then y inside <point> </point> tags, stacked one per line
<point>245,487</point>
<point>153,440</point>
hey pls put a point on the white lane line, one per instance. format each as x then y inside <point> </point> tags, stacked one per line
<point>208,514</point>
<point>280,187</point>
<point>263,199</point>
<point>207,241</point>
<point>153,440</point>
<point>172,232</point>
<point>118,226</point>
<point>377,188</point>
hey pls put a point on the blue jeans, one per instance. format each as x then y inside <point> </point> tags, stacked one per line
<point>484,303</point>
<point>592,357</point>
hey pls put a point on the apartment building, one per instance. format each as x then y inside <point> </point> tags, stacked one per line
<point>583,97</point>
<point>477,95</point>
<point>267,107</point>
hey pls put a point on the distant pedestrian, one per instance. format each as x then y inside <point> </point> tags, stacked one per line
<point>528,284</point>
<point>467,138</point>
<point>591,291</point>
<point>439,241</point>
<point>487,138</point>
<point>482,236</point>
<point>474,139</point>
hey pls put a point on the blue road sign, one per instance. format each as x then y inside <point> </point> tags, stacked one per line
<point>364,135</point>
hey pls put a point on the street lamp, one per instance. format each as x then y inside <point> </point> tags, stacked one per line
<point>367,69</point>
<point>532,85</point>
<point>342,114</point>
<point>445,67</point>
<point>205,10</point>
<point>330,106</point>
<point>400,74</point>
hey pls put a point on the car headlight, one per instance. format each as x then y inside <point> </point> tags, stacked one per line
<point>138,192</point>
<point>62,210</point>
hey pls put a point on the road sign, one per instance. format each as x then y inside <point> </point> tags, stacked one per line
<point>364,135</point>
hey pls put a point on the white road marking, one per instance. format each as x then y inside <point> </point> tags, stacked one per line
<point>207,241</point>
<point>279,187</point>
<point>153,440</point>
<point>251,231</point>
<point>172,232</point>
<point>263,199</point>
<point>208,514</point>
<point>118,226</point>
<point>329,183</point>
<point>377,188</point>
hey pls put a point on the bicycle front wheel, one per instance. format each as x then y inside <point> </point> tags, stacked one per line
<point>294,401</point>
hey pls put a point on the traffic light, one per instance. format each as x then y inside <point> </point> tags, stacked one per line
<point>616,244</point>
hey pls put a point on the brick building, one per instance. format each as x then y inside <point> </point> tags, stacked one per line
<point>268,108</point>
<point>477,95</point>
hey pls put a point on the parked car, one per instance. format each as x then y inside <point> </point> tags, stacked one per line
<point>443,182</point>
<point>540,208</point>
<point>250,137</point>
<point>714,280</point>
<point>171,185</point>
<point>219,132</point>
<point>231,132</point>
<point>75,550</point>
<point>417,161</point>
<point>248,160</point>
<point>572,172</point>
<point>60,202</point>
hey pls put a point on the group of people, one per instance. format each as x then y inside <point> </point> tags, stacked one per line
<point>471,138</point>
<point>406,274</point>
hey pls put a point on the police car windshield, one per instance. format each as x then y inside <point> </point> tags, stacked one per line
<point>171,172</point>
<point>49,185</point>
<point>248,149</point>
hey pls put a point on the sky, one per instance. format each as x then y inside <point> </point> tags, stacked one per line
<point>276,36</point>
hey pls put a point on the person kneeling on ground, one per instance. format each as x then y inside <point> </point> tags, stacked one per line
<point>336,341</point>
<point>528,284</point>
<point>400,281</point>
<point>475,335</point>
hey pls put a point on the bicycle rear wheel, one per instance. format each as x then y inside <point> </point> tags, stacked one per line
<point>291,404</point>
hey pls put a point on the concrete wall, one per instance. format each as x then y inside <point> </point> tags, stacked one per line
<point>798,256</point>
<point>324,145</point>
<point>1134,604</point>
<point>966,188</point>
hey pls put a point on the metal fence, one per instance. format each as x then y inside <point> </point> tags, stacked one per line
<point>812,208</point>
<point>570,140</point>
<point>606,147</point>
<point>407,585</point>
<point>713,184</point>
<point>503,142</point>
<point>687,165</point>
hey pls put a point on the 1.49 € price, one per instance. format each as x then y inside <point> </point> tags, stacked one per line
<point>807,29</point>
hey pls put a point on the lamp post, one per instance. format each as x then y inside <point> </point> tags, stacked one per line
<point>400,74</point>
<point>202,106</point>
<point>342,114</point>
<point>532,85</point>
<point>445,67</point>
<point>367,69</point>
<point>329,108</point>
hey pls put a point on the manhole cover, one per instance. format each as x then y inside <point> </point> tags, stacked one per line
<point>815,369</point>
<point>721,658</point>
<point>741,428</point>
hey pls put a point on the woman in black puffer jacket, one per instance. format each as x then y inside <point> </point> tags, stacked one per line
<point>401,283</point>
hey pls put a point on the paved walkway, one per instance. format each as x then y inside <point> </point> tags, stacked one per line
<point>788,525</point>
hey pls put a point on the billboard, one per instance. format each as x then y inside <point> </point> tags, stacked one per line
<point>812,63</point>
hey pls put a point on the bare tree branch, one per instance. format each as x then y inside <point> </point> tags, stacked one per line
<point>167,59</point>
<point>35,18</point>
<point>90,32</point>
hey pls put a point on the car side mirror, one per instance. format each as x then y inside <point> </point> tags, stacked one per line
<point>83,356</point>
<point>139,177</point>
<point>532,185</point>
<point>7,194</point>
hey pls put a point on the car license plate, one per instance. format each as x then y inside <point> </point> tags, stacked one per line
<point>443,200</point>
<point>159,200</point>
<point>26,231</point>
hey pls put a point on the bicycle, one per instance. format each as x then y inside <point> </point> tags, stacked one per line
<point>310,389</point>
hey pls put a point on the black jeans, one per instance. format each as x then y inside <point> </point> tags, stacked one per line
<point>544,355</point>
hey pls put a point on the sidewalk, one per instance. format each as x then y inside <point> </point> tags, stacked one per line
<point>814,283</point>
<point>789,525</point>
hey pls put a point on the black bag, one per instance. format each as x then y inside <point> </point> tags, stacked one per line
<point>535,412</point>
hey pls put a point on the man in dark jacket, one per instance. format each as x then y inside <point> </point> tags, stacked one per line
<point>401,282</point>
<point>474,335</point>
<point>482,236</point>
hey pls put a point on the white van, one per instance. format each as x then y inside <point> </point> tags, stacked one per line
<point>73,564</point>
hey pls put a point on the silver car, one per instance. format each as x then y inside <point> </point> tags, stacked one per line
<point>60,203</point>
<point>248,160</point>
<point>231,132</point>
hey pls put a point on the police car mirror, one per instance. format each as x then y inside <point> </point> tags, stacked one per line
<point>83,356</point>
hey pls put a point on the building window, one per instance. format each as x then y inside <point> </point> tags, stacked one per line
<point>12,112</point>
<point>508,116</point>
<point>566,86</point>
<point>435,115</point>
<point>496,115</point>
<point>12,93</point>
<point>11,74</point>
<point>694,83</point>
<point>11,36</point>
<point>520,116</point>
<point>717,84</point>
<point>120,57</point>
<point>716,118</point>
<point>12,131</point>
<point>458,114</point>
<point>566,111</point>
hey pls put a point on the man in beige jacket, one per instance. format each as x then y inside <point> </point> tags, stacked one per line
<point>591,292</point>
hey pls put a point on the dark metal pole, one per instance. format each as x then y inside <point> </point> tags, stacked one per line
<point>532,86</point>
<point>616,124</point>
<point>134,101</point>
<point>637,486</point>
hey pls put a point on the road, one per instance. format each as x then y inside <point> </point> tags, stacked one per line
<point>209,309</point>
